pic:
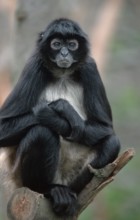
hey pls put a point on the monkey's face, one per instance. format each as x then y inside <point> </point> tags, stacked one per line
<point>64,53</point>
<point>63,46</point>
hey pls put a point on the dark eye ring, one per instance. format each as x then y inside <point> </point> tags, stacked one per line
<point>73,44</point>
<point>55,44</point>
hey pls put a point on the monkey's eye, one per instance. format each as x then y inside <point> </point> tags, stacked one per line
<point>73,44</point>
<point>56,44</point>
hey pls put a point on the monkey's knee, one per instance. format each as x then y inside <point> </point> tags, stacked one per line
<point>106,152</point>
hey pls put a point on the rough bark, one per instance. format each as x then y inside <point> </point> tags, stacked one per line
<point>26,204</point>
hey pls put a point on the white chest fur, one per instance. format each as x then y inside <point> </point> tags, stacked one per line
<point>69,90</point>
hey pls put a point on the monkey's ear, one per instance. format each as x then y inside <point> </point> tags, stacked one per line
<point>40,37</point>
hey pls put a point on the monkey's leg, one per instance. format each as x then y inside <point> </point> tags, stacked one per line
<point>39,153</point>
<point>106,152</point>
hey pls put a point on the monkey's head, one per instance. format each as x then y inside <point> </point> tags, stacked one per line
<point>63,46</point>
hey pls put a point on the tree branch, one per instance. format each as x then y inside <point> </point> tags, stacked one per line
<point>26,204</point>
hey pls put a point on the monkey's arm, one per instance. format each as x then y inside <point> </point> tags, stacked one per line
<point>16,116</point>
<point>13,129</point>
<point>68,122</point>
<point>50,118</point>
<point>98,135</point>
<point>81,131</point>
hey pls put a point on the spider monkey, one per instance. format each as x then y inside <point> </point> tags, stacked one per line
<point>58,118</point>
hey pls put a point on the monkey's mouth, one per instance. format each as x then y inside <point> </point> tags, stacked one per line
<point>64,63</point>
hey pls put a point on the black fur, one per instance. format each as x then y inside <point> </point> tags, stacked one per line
<point>36,125</point>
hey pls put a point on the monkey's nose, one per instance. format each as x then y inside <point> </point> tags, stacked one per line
<point>64,51</point>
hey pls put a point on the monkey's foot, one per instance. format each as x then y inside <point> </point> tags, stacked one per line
<point>101,173</point>
<point>63,200</point>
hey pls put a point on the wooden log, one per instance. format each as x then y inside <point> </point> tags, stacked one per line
<point>28,205</point>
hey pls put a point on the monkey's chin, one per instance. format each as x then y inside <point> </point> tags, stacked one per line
<point>64,64</point>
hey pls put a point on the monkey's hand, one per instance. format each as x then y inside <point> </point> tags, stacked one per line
<point>66,111</point>
<point>50,118</point>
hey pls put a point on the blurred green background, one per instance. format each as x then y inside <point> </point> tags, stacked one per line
<point>120,70</point>
<point>121,199</point>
